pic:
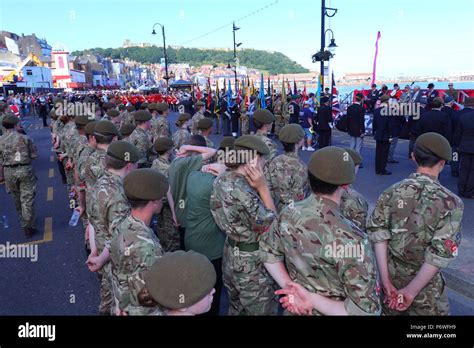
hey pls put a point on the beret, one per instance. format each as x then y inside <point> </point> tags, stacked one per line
<point>130,108</point>
<point>291,133</point>
<point>162,107</point>
<point>184,117</point>
<point>204,123</point>
<point>82,120</point>
<point>145,184</point>
<point>188,276</point>
<point>436,144</point>
<point>356,157</point>
<point>123,150</point>
<point>10,119</point>
<point>263,116</point>
<point>144,106</point>
<point>384,98</point>
<point>121,107</point>
<point>153,106</point>
<point>142,115</point>
<point>227,142</point>
<point>332,165</point>
<point>108,105</point>
<point>251,142</point>
<point>106,128</point>
<point>113,113</point>
<point>127,129</point>
<point>163,144</point>
<point>90,128</point>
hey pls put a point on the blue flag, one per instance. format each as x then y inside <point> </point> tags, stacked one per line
<point>229,98</point>
<point>261,95</point>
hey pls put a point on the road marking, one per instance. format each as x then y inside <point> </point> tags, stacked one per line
<point>51,172</point>
<point>51,158</point>
<point>48,232</point>
<point>49,196</point>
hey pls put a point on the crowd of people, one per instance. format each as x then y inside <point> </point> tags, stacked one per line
<point>170,219</point>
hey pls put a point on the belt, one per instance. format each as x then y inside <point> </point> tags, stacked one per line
<point>16,165</point>
<point>248,247</point>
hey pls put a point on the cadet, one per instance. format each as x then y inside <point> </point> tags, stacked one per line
<point>110,208</point>
<point>353,205</point>
<point>126,130</point>
<point>329,261</point>
<point>205,129</point>
<point>127,118</point>
<point>159,124</point>
<point>141,139</point>
<point>113,116</point>
<point>168,233</point>
<point>243,208</point>
<point>199,115</point>
<point>287,174</point>
<point>134,247</point>
<point>182,135</point>
<point>263,119</point>
<point>418,220</point>
<point>189,279</point>
<point>67,132</point>
<point>16,153</point>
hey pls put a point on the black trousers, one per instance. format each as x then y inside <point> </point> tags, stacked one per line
<point>182,230</point>
<point>225,125</point>
<point>62,172</point>
<point>381,155</point>
<point>235,123</point>
<point>454,164</point>
<point>216,302</point>
<point>466,175</point>
<point>324,138</point>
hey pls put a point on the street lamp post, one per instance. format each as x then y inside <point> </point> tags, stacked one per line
<point>324,13</point>
<point>166,77</point>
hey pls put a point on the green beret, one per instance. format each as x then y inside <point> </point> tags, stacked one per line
<point>145,184</point>
<point>144,106</point>
<point>153,106</point>
<point>188,276</point>
<point>108,105</point>
<point>113,113</point>
<point>130,108</point>
<point>10,119</point>
<point>436,144</point>
<point>199,103</point>
<point>332,165</point>
<point>184,117</point>
<point>355,156</point>
<point>123,150</point>
<point>251,142</point>
<point>142,115</point>
<point>127,129</point>
<point>163,144</point>
<point>162,107</point>
<point>82,120</point>
<point>227,142</point>
<point>106,128</point>
<point>204,123</point>
<point>291,133</point>
<point>90,128</point>
<point>263,116</point>
<point>121,107</point>
<point>384,98</point>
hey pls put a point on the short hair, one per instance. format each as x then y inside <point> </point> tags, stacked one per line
<point>321,187</point>
<point>103,139</point>
<point>374,85</point>
<point>145,299</point>
<point>257,124</point>
<point>114,163</point>
<point>137,203</point>
<point>162,152</point>
<point>425,158</point>
<point>196,140</point>
<point>288,147</point>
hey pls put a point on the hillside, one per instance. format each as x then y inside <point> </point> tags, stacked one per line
<point>274,63</point>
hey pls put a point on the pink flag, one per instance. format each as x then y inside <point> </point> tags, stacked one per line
<point>375,58</point>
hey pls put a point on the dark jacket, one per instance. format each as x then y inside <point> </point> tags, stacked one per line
<point>465,133</point>
<point>323,118</point>
<point>355,120</point>
<point>381,126</point>
<point>435,121</point>
<point>396,124</point>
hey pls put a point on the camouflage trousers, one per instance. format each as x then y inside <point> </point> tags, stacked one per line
<point>105,306</point>
<point>20,182</point>
<point>69,175</point>
<point>280,122</point>
<point>245,124</point>
<point>167,233</point>
<point>432,299</point>
<point>250,287</point>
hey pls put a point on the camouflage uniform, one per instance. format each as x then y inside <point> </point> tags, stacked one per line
<point>282,116</point>
<point>16,153</point>
<point>180,137</point>
<point>66,136</point>
<point>287,178</point>
<point>308,238</point>
<point>168,234</point>
<point>271,145</point>
<point>195,119</point>
<point>94,168</point>
<point>421,220</point>
<point>160,127</point>
<point>141,140</point>
<point>110,208</point>
<point>209,142</point>
<point>127,118</point>
<point>239,211</point>
<point>133,249</point>
<point>354,207</point>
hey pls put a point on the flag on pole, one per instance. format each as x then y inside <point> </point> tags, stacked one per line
<point>375,58</point>
<point>269,93</point>
<point>305,96</point>
<point>318,92</point>
<point>283,91</point>
<point>229,97</point>
<point>199,94</point>
<point>289,87</point>
<point>209,97</point>
<point>336,109</point>
<point>217,107</point>
<point>261,95</point>
<point>294,87</point>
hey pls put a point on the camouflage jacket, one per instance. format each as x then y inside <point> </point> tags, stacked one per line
<point>287,178</point>
<point>354,207</point>
<point>65,137</point>
<point>162,165</point>
<point>109,209</point>
<point>94,168</point>
<point>82,156</point>
<point>325,253</point>
<point>195,119</point>
<point>16,148</point>
<point>160,127</point>
<point>141,140</point>
<point>271,145</point>
<point>237,208</point>
<point>127,118</point>
<point>133,249</point>
<point>421,220</point>
<point>180,137</point>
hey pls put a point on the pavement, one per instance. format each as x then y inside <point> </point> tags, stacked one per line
<point>59,283</point>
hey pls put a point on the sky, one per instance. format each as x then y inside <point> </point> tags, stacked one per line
<point>418,37</point>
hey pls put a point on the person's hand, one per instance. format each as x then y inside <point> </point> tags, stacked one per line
<point>403,301</point>
<point>297,299</point>
<point>214,168</point>
<point>69,164</point>
<point>81,211</point>
<point>390,292</point>
<point>254,175</point>
<point>120,313</point>
<point>61,156</point>
<point>182,151</point>
<point>94,263</point>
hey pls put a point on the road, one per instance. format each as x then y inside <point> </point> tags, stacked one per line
<point>59,283</point>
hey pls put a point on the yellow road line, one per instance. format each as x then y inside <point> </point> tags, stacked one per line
<point>51,172</point>
<point>49,196</point>
<point>48,232</point>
